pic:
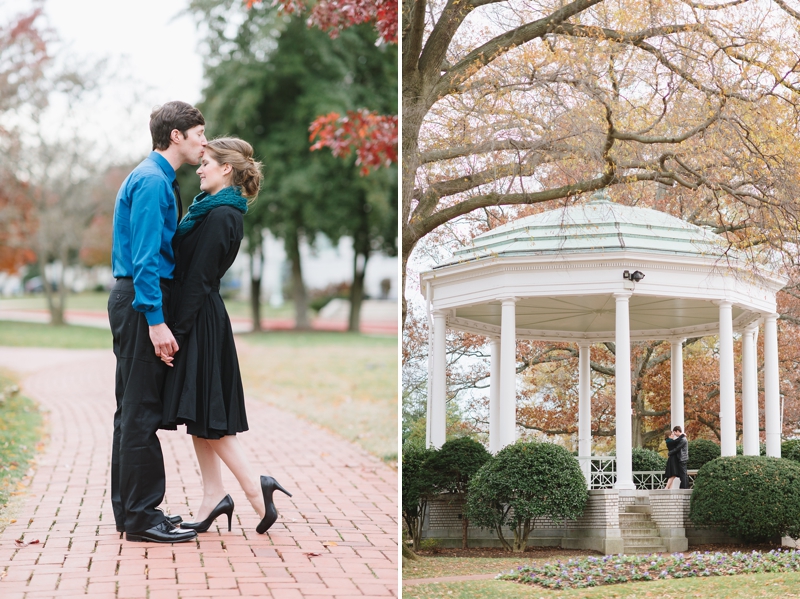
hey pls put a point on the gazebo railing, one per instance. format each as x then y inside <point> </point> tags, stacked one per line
<point>601,473</point>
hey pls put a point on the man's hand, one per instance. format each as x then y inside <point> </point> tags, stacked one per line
<point>163,342</point>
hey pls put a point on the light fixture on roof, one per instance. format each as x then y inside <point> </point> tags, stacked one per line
<point>635,276</point>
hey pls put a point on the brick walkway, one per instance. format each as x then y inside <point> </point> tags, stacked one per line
<point>336,537</point>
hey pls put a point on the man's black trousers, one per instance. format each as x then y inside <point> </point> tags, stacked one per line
<point>137,464</point>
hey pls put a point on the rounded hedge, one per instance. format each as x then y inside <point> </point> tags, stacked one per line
<point>455,464</point>
<point>534,479</point>
<point>791,450</point>
<point>646,460</point>
<point>752,497</point>
<point>701,451</point>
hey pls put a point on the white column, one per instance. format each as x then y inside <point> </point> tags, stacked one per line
<point>438,410</point>
<point>508,373</point>
<point>749,391</point>
<point>623,385</point>
<point>676,380</point>
<point>585,407</point>
<point>772,390</point>
<point>429,389</point>
<point>494,396</point>
<point>727,400</point>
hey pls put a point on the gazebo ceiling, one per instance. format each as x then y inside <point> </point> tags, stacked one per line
<point>593,316</point>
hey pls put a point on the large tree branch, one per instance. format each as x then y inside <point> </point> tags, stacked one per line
<point>486,53</point>
<point>413,33</point>
<point>420,225</point>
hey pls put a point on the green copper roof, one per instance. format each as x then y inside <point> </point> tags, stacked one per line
<point>599,226</point>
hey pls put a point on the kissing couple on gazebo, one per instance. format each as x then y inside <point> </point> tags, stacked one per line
<point>678,448</point>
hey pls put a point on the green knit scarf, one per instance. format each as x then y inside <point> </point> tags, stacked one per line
<point>205,203</point>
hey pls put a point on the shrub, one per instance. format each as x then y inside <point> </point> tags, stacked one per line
<point>523,482</point>
<point>453,466</point>
<point>752,497</point>
<point>791,450</point>
<point>645,460</point>
<point>701,451</point>
<point>417,481</point>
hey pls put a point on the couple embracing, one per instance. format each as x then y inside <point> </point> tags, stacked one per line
<point>176,359</point>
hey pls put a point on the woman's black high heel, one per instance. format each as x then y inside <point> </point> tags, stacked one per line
<point>268,486</point>
<point>223,507</point>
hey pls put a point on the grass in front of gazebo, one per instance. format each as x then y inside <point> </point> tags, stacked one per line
<point>746,586</point>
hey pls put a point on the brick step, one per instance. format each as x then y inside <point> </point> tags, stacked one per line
<point>638,509</point>
<point>635,533</point>
<point>634,518</point>
<point>637,524</point>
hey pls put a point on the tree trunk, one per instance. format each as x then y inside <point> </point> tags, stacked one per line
<point>409,554</point>
<point>357,291</point>
<point>256,251</point>
<point>56,313</point>
<point>414,110</point>
<point>464,531</point>
<point>299,295</point>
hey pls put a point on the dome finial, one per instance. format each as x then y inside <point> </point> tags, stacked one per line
<point>601,196</point>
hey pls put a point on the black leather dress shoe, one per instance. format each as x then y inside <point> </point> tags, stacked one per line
<point>162,533</point>
<point>174,520</point>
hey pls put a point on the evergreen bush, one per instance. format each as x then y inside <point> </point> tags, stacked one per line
<point>645,460</point>
<point>791,450</point>
<point>523,482</point>
<point>416,483</point>
<point>701,451</point>
<point>453,466</point>
<point>752,497</point>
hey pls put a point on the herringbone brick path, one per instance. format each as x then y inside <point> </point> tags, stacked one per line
<point>336,537</point>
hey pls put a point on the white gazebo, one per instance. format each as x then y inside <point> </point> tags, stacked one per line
<point>575,274</point>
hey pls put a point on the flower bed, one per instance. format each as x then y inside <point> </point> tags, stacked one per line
<point>616,569</point>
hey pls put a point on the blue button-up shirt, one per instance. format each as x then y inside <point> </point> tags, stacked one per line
<point>145,219</point>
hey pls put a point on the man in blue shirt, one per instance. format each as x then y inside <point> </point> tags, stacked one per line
<point>145,218</point>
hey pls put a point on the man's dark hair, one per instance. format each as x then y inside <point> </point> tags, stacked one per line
<point>677,429</point>
<point>172,115</point>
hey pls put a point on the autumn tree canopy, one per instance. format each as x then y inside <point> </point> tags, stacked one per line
<point>368,133</point>
<point>524,102</point>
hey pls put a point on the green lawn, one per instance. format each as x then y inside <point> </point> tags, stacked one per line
<point>20,437</point>
<point>96,301</point>
<point>28,334</point>
<point>436,567</point>
<point>746,586</point>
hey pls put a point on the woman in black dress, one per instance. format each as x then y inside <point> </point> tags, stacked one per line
<point>676,460</point>
<point>673,466</point>
<point>203,389</point>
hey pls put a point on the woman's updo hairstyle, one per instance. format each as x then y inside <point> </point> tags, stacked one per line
<point>246,172</point>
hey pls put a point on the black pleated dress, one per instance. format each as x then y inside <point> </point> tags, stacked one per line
<point>673,461</point>
<point>204,390</point>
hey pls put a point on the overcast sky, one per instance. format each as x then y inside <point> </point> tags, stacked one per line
<point>152,49</point>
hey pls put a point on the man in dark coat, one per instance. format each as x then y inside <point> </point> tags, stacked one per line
<point>146,215</point>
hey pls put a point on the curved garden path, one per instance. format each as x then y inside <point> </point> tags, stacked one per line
<point>336,537</point>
